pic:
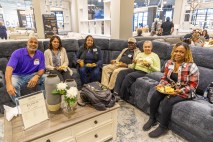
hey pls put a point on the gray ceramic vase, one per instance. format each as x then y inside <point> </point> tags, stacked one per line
<point>53,100</point>
<point>71,83</point>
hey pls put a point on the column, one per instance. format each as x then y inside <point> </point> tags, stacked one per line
<point>39,9</point>
<point>74,16</point>
<point>151,16</point>
<point>121,18</point>
<point>179,13</point>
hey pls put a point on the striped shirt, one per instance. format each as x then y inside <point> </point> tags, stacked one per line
<point>188,78</point>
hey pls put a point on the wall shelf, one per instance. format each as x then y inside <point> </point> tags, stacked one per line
<point>97,27</point>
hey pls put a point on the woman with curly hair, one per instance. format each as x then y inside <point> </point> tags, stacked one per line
<point>182,74</point>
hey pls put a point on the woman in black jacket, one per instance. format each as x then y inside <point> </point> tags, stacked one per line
<point>89,61</point>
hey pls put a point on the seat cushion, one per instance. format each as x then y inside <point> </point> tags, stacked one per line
<point>194,116</point>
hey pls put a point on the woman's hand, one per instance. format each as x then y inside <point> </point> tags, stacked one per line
<point>178,91</point>
<point>146,64</point>
<point>79,60</point>
<point>159,85</point>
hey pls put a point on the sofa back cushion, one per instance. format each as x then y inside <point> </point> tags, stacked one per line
<point>71,46</point>
<point>115,47</point>
<point>205,78</point>
<point>203,56</point>
<point>103,44</point>
<point>162,49</point>
<point>7,48</point>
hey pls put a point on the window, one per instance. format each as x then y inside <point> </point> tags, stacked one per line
<point>140,20</point>
<point>203,18</point>
<point>60,18</point>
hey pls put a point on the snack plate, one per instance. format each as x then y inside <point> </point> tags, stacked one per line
<point>159,89</point>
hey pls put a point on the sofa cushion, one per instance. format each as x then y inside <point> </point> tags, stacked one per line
<point>9,47</point>
<point>101,42</point>
<point>117,45</point>
<point>155,75</point>
<point>142,87</point>
<point>195,117</point>
<point>3,64</point>
<point>173,40</point>
<point>205,78</point>
<point>202,57</point>
<point>161,48</point>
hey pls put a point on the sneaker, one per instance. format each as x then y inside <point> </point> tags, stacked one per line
<point>159,131</point>
<point>149,124</point>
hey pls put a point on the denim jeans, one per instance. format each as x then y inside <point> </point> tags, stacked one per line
<point>89,74</point>
<point>20,80</point>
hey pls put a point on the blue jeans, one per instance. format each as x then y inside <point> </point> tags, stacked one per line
<point>89,74</point>
<point>20,80</point>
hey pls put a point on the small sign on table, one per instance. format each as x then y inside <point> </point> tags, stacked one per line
<point>33,109</point>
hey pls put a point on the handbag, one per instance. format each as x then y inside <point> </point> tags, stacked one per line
<point>98,95</point>
<point>209,93</point>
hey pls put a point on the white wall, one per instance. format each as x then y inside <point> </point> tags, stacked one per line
<point>10,14</point>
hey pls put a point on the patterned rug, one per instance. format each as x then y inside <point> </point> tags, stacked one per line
<point>129,128</point>
<point>1,130</point>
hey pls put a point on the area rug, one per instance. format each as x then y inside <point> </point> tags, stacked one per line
<point>1,130</point>
<point>129,128</point>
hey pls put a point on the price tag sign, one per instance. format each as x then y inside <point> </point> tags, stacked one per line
<point>33,109</point>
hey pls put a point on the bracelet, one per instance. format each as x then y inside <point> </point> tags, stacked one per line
<point>38,75</point>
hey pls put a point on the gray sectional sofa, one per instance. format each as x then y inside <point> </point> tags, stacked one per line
<point>192,120</point>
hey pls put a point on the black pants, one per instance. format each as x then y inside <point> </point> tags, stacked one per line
<point>167,105</point>
<point>127,82</point>
<point>63,75</point>
<point>121,75</point>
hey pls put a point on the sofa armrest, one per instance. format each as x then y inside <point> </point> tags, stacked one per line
<point>155,75</point>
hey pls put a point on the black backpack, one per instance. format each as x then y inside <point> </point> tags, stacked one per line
<point>97,95</point>
<point>209,93</point>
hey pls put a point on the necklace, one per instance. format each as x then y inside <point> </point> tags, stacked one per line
<point>176,67</point>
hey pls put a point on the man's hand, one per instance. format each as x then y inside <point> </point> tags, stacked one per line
<point>113,61</point>
<point>123,65</point>
<point>32,83</point>
<point>11,90</point>
<point>134,61</point>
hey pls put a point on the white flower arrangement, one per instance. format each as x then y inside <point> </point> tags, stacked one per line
<point>70,94</point>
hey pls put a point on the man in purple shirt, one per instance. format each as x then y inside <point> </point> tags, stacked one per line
<point>26,66</point>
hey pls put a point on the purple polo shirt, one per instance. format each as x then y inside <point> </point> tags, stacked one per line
<point>23,64</point>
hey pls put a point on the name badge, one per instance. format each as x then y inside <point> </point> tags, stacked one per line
<point>130,55</point>
<point>95,50</point>
<point>171,67</point>
<point>36,62</point>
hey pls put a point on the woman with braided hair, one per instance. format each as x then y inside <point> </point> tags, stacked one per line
<point>181,73</point>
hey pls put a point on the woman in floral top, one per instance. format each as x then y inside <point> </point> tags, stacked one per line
<point>180,72</point>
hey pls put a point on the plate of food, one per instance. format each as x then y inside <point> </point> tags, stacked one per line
<point>166,90</point>
<point>63,67</point>
<point>91,64</point>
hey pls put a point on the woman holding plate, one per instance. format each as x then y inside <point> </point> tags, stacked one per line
<point>89,61</point>
<point>181,73</point>
<point>56,60</point>
<point>144,62</point>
